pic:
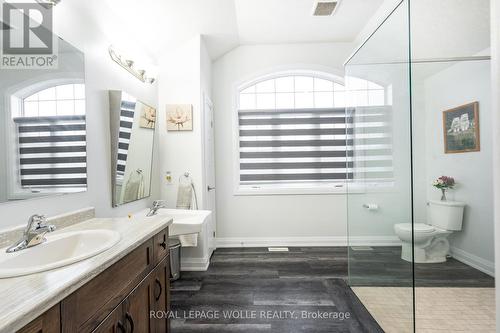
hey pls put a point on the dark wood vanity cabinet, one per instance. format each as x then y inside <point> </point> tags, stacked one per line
<point>121,298</point>
<point>49,322</point>
<point>133,313</point>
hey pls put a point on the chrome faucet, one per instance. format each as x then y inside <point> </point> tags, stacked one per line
<point>34,234</point>
<point>157,204</point>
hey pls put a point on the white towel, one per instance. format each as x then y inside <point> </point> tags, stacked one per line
<point>184,196</point>
<point>190,240</point>
<point>134,189</point>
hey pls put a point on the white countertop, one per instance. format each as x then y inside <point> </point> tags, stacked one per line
<point>24,298</point>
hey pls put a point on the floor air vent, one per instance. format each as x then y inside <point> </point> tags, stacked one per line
<point>361,248</point>
<point>277,249</point>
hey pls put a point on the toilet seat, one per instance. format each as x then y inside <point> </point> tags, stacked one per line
<point>420,228</point>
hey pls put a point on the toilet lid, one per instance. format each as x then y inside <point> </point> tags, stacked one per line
<point>418,227</point>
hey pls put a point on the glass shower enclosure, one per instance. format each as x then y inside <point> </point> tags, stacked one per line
<point>390,84</point>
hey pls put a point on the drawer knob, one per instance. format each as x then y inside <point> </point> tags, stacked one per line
<point>163,245</point>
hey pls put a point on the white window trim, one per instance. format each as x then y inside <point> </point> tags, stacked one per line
<point>13,98</point>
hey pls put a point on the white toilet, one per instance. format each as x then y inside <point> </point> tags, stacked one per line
<point>431,243</point>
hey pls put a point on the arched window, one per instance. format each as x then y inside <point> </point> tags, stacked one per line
<point>61,100</point>
<point>293,92</point>
<point>50,134</point>
<point>293,131</point>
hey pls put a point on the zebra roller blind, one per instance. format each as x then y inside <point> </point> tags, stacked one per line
<point>125,132</point>
<point>283,146</point>
<point>372,153</point>
<point>52,151</point>
<point>295,145</point>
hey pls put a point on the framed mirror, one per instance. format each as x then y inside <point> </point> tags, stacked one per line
<point>133,125</point>
<point>43,129</point>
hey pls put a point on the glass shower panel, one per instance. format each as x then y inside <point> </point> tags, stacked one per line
<point>380,187</point>
<point>451,110</point>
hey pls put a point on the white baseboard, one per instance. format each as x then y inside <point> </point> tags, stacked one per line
<point>374,241</point>
<point>472,260</point>
<point>307,241</point>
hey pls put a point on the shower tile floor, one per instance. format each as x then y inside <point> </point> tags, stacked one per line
<point>438,310</point>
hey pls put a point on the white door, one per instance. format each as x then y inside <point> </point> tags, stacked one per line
<point>209,155</point>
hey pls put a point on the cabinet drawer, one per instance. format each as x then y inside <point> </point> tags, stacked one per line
<point>161,245</point>
<point>83,310</point>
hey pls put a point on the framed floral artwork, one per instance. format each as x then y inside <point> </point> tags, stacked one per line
<point>148,117</point>
<point>179,117</point>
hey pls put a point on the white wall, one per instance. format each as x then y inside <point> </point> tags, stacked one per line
<point>77,27</point>
<point>460,84</point>
<point>185,78</point>
<point>179,83</point>
<point>495,124</point>
<point>280,215</point>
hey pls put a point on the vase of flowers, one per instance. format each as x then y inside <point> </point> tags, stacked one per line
<point>444,183</point>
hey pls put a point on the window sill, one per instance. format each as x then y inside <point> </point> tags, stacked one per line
<point>333,189</point>
<point>249,191</point>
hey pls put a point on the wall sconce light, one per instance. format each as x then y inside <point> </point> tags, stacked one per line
<point>129,66</point>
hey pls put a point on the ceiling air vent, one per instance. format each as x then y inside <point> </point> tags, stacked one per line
<point>325,7</point>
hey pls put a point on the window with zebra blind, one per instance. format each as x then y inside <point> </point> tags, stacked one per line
<point>305,132</point>
<point>50,127</point>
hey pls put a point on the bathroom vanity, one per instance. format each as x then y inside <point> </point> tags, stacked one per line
<point>114,291</point>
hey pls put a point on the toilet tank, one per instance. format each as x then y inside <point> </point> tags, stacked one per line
<point>447,215</point>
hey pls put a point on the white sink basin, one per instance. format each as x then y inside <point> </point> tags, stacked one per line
<point>59,250</point>
<point>185,221</point>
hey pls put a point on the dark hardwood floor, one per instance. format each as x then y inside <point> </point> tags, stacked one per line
<point>383,266</point>
<point>257,286</point>
<point>302,281</point>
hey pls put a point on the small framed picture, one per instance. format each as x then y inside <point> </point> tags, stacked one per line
<point>179,117</point>
<point>148,117</point>
<point>461,129</point>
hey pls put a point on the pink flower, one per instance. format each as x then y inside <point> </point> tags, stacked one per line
<point>444,182</point>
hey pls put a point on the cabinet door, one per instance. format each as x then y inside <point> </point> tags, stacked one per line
<point>137,308</point>
<point>161,295</point>
<point>113,322</point>
<point>49,322</point>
